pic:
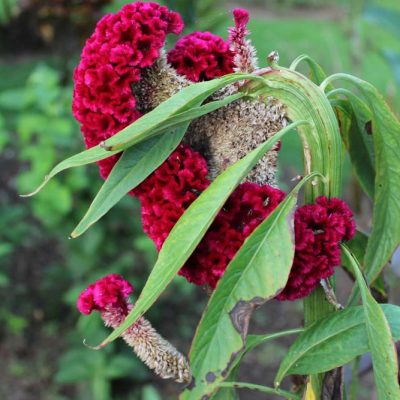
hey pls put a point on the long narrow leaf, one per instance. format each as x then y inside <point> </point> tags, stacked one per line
<point>333,341</point>
<point>134,166</point>
<point>184,100</point>
<point>166,115</point>
<point>383,352</point>
<point>385,235</point>
<point>358,139</point>
<point>191,227</point>
<point>258,272</point>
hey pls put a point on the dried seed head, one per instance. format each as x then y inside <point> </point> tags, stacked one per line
<point>228,134</point>
<point>158,83</point>
<point>223,136</point>
<point>158,354</point>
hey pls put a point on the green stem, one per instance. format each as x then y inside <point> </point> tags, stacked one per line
<point>264,389</point>
<point>354,379</point>
<point>322,152</point>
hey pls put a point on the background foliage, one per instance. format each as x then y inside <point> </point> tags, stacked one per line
<point>42,272</point>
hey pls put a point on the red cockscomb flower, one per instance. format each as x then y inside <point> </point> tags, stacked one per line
<point>121,45</point>
<point>110,291</point>
<point>319,229</point>
<point>201,56</point>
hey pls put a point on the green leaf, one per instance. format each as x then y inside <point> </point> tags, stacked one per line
<point>385,235</point>
<point>228,393</point>
<point>134,166</point>
<point>178,109</point>
<point>91,155</point>
<point>317,74</point>
<point>262,389</point>
<point>191,227</point>
<point>321,138</point>
<point>357,246</point>
<point>189,97</point>
<point>333,341</point>
<point>383,351</point>
<point>258,272</point>
<point>358,139</point>
<point>256,340</point>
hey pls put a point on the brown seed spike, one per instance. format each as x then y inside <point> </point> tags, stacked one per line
<point>157,353</point>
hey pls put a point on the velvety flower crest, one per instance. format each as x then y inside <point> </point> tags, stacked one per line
<point>109,291</point>
<point>319,230</point>
<point>201,56</point>
<point>111,61</point>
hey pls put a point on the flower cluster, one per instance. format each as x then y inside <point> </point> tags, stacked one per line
<point>319,229</point>
<point>111,61</point>
<point>168,192</point>
<point>110,291</point>
<point>109,296</point>
<point>245,209</point>
<point>201,56</point>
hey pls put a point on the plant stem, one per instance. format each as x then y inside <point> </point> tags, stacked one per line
<point>264,389</point>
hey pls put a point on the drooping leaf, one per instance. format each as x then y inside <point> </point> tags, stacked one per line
<point>317,74</point>
<point>380,339</point>
<point>258,272</point>
<point>333,341</point>
<point>134,166</point>
<point>254,341</point>
<point>189,97</point>
<point>85,157</point>
<point>186,101</point>
<point>357,246</point>
<point>321,138</point>
<point>191,227</point>
<point>358,139</point>
<point>385,128</point>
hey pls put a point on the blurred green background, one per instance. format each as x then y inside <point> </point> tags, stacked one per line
<point>42,273</point>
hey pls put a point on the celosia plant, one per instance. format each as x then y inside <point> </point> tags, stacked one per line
<point>194,134</point>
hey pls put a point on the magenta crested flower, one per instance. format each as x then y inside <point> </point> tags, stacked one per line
<point>201,56</point>
<point>111,62</point>
<point>109,295</point>
<point>319,230</point>
<point>110,291</point>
